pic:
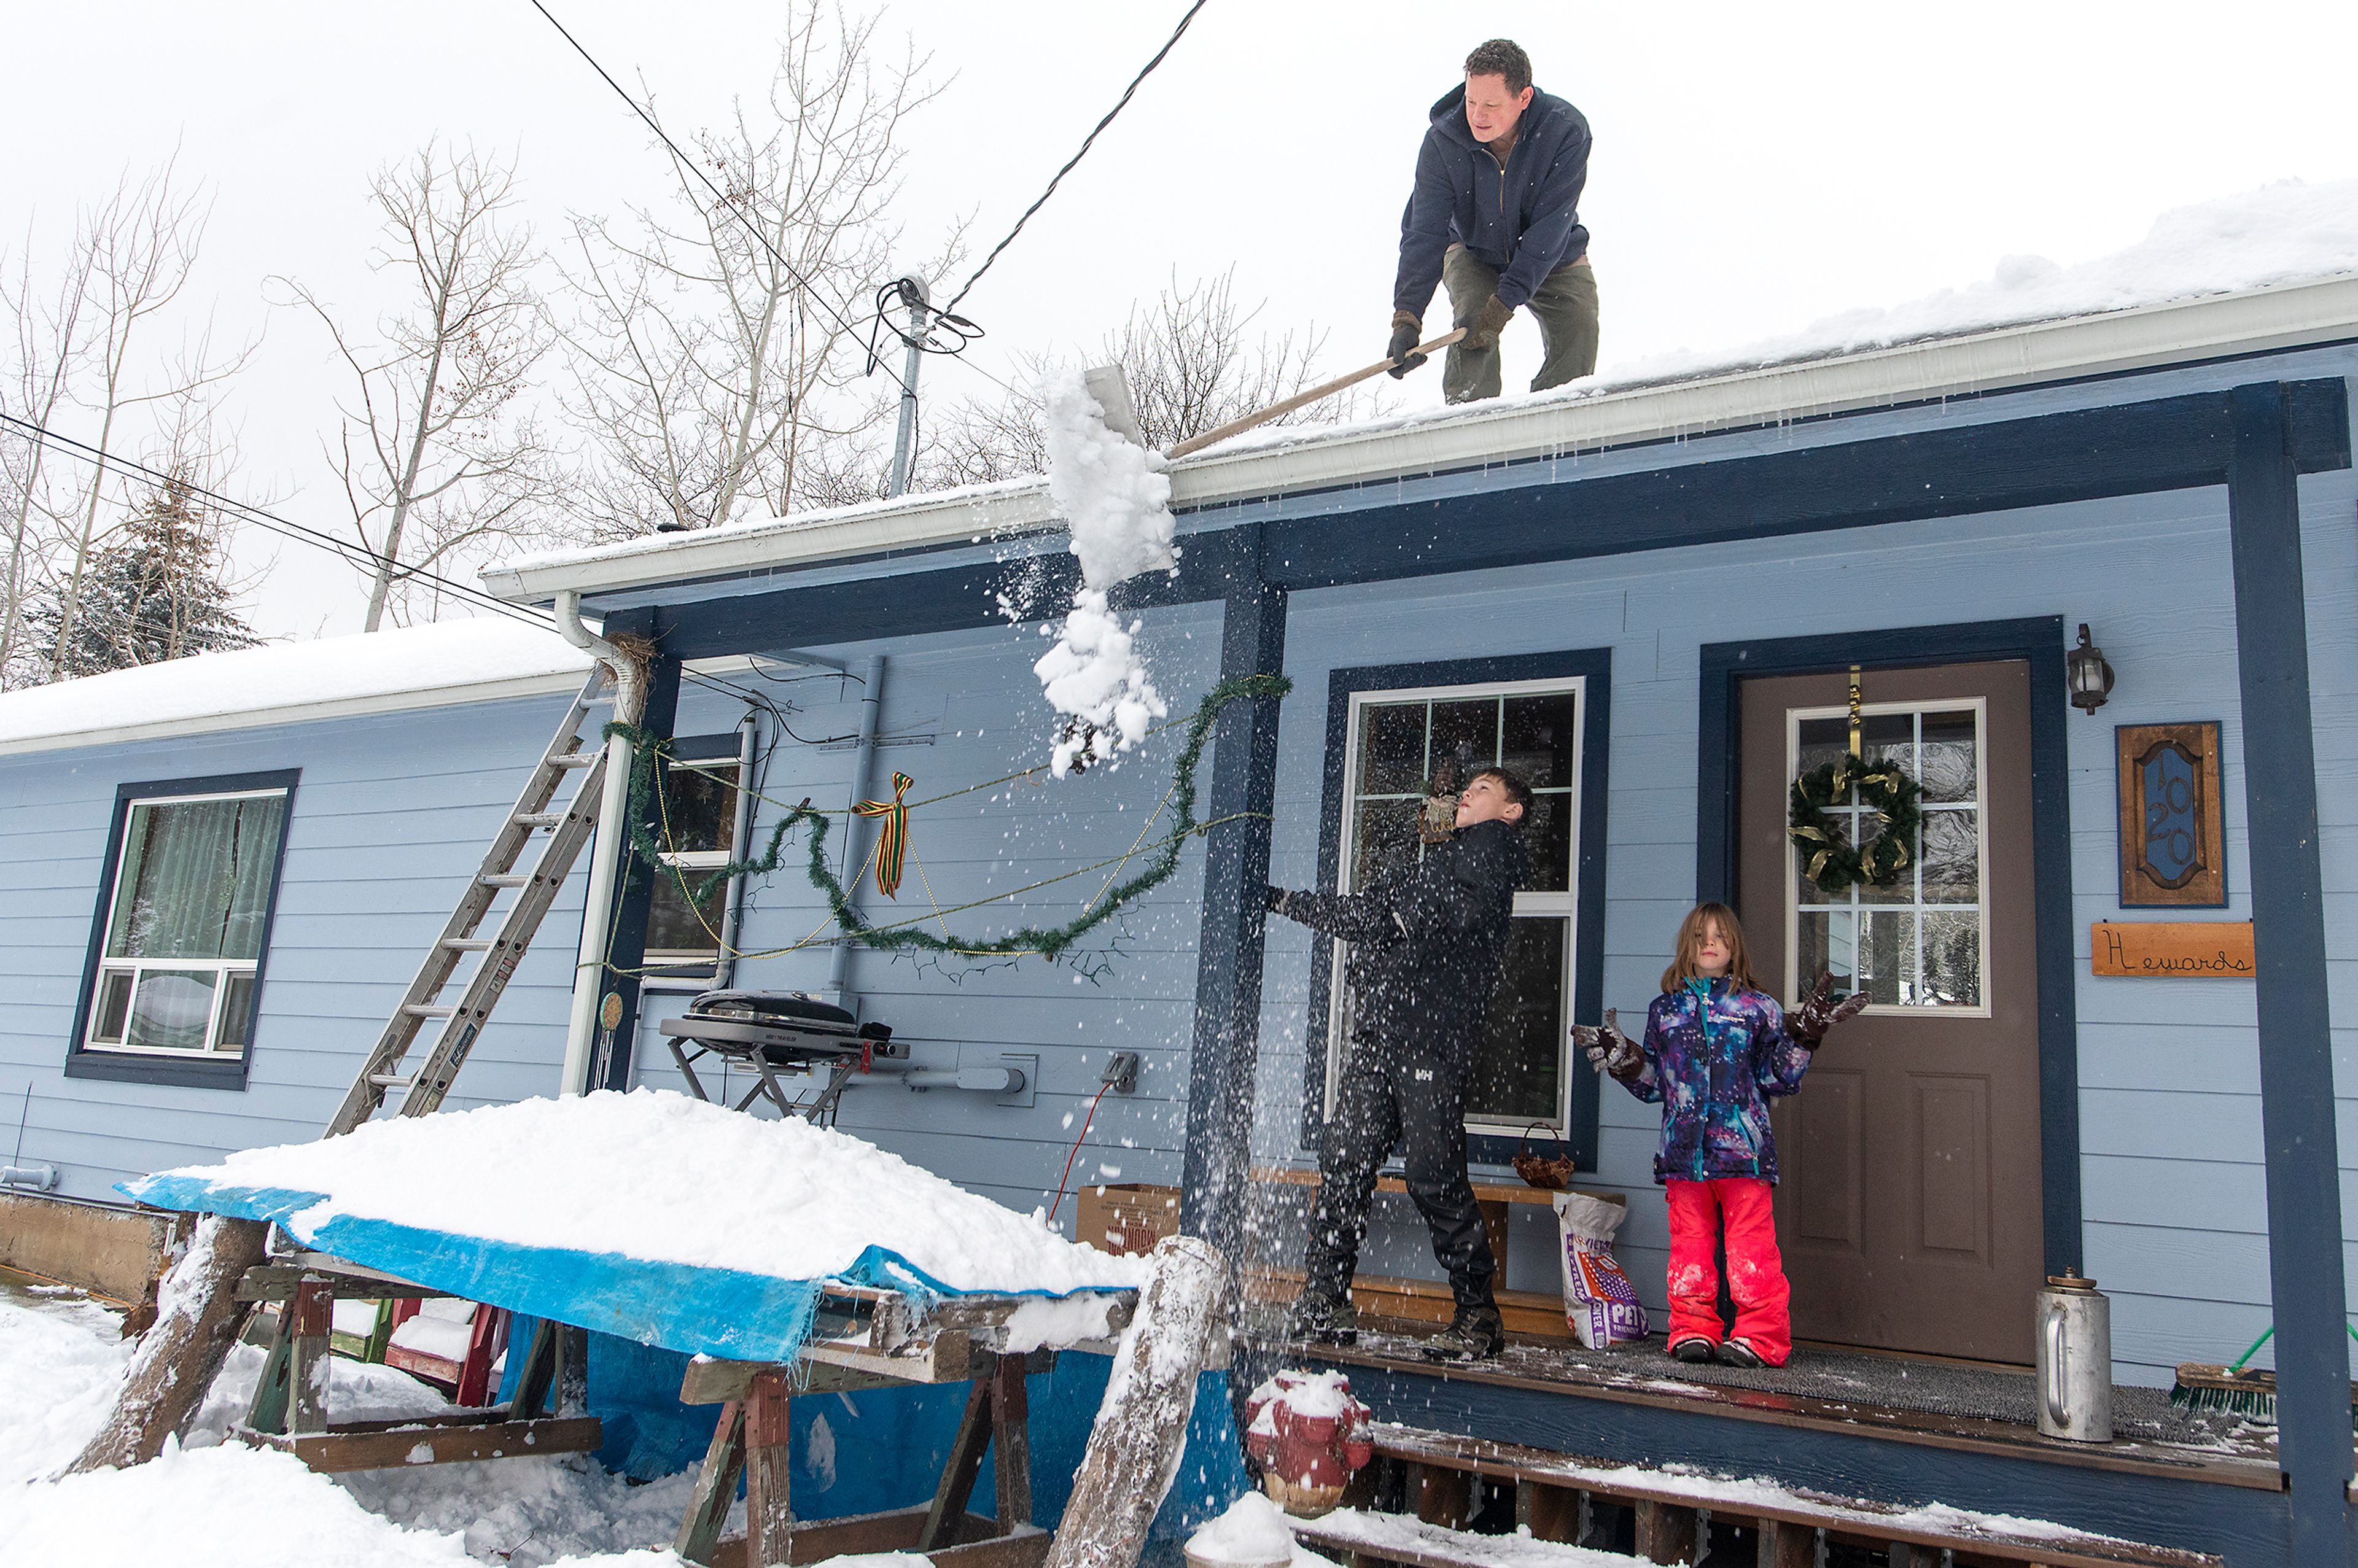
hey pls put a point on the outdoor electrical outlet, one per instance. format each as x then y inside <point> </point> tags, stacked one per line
<point>1121,1072</point>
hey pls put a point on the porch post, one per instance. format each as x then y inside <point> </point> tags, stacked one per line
<point>2297,1120</point>
<point>626,948</point>
<point>1228,955</point>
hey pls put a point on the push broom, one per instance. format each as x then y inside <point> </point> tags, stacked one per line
<point>2237,1389</point>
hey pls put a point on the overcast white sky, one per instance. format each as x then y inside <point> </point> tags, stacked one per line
<point>1755,167</point>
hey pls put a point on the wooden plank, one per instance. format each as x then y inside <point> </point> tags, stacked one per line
<point>978,1542</point>
<point>713,1383</point>
<point>959,1472</point>
<point>945,1357</point>
<point>1445,1496</point>
<point>769,1511</point>
<point>335,1453</point>
<point>267,1411</point>
<point>1666,1533</point>
<point>538,1381</point>
<point>312,1314</point>
<point>1549,1513</point>
<point>1011,1440</point>
<point>2172,949</point>
<point>1784,1545</point>
<point>716,1489</point>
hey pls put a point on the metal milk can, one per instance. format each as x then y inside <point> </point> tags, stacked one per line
<point>2076,1360</point>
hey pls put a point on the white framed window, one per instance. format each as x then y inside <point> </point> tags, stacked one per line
<point>185,923</point>
<point>1403,744</point>
<point>1920,944</point>
<point>707,819</point>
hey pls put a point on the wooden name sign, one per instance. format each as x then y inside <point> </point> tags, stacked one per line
<point>2173,949</point>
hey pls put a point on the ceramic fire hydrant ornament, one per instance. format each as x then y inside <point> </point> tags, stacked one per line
<point>1309,1435</point>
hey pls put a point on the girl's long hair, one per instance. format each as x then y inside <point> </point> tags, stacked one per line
<point>1682,966</point>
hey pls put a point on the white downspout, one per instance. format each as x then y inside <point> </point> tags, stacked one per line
<point>606,850</point>
<point>872,703</point>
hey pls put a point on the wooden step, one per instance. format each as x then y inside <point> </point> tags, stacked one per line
<point>1536,1314</point>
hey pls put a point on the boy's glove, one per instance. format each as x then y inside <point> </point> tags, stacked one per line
<point>1809,1023</point>
<point>1402,352</point>
<point>1484,332</point>
<point>1610,1050</point>
<point>1275,900</point>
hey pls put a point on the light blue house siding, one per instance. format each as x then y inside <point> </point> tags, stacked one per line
<point>392,815</point>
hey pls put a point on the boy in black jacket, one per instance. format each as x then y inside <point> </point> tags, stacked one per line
<point>1425,951</point>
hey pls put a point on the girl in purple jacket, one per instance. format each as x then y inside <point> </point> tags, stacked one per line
<point>1717,1049</point>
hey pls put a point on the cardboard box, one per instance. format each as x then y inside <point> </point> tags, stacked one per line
<point>1127,1219</point>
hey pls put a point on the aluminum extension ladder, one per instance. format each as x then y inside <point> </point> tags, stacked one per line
<point>462,1020</point>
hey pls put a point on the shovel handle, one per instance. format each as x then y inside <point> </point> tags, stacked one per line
<point>1303,399</point>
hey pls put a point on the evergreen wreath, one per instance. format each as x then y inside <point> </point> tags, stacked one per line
<point>1834,863</point>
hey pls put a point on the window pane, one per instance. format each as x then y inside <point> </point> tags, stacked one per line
<point>196,879</point>
<point>1945,764</point>
<point>1518,1068</point>
<point>1547,835</point>
<point>700,810</point>
<point>170,1009</point>
<point>1844,826</point>
<point>1465,737</point>
<point>1386,839</point>
<point>1952,960</point>
<point>1952,859</point>
<point>1539,735</point>
<point>1884,737</point>
<point>1868,952</point>
<point>1822,740</point>
<point>1391,748</point>
<point>673,923</point>
<point>113,1005</point>
<point>237,1012</point>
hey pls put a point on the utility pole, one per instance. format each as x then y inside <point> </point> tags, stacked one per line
<point>913,294</point>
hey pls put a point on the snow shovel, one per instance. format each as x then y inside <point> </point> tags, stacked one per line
<point>1303,399</point>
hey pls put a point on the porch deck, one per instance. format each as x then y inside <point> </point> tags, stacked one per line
<point>1960,1406</point>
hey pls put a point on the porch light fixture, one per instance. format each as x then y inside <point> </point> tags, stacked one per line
<point>2090,678</point>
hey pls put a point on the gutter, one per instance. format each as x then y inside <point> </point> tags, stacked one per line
<point>2183,332</point>
<point>607,849</point>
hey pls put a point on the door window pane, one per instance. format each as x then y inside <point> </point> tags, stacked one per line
<point>1517,1068</point>
<point>1918,942</point>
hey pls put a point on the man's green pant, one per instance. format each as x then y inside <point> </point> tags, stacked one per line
<point>1564,304</point>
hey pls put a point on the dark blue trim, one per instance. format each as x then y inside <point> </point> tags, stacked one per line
<point>2160,444</point>
<point>2297,1108</point>
<point>626,950</point>
<point>1220,1068</point>
<point>2244,1524</point>
<point>1588,916</point>
<point>2038,641</point>
<point>210,1070</point>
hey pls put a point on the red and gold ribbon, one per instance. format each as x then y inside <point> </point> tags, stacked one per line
<point>893,836</point>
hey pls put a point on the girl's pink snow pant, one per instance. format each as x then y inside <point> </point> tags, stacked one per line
<point>1755,1274</point>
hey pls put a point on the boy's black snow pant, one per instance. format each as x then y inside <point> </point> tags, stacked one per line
<point>1388,1095</point>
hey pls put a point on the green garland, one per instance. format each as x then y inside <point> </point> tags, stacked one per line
<point>1047,942</point>
<point>1834,863</point>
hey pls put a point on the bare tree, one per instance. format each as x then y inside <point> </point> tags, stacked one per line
<point>139,247</point>
<point>715,371</point>
<point>1190,367</point>
<point>45,348</point>
<point>435,457</point>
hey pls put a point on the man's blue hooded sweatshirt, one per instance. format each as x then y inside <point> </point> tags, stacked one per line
<point>1523,221</point>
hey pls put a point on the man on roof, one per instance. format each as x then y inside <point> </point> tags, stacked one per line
<point>1496,216</point>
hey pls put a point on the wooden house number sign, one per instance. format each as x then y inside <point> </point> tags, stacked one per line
<point>2159,950</point>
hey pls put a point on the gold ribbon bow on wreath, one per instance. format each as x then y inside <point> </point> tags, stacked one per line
<point>893,838</point>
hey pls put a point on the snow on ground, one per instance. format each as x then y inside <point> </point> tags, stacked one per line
<point>442,659</point>
<point>1113,494</point>
<point>1520,1550</point>
<point>1254,1534</point>
<point>212,1503</point>
<point>712,1188</point>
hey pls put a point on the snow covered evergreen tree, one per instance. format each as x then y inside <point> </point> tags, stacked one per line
<point>158,590</point>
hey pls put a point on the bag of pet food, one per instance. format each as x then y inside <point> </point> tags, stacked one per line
<point>1598,1302</point>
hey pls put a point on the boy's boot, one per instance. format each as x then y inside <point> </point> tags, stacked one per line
<point>1318,1318</point>
<point>1477,1334</point>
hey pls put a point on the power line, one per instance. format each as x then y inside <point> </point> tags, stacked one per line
<point>1076,158</point>
<point>717,195</point>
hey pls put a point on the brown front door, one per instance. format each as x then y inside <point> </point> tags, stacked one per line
<point>1909,1208</point>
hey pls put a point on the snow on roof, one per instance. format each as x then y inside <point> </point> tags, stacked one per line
<point>281,683</point>
<point>2168,295</point>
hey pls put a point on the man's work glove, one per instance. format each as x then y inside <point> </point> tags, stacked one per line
<point>1809,1023</point>
<point>1406,331</point>
<point>1610,1050</point>
<point>1275,901</point>
<point>1484,332</point>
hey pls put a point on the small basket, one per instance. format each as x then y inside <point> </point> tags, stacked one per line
<point>1550,1175</point>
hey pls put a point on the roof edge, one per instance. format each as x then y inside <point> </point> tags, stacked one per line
<point>2013,358</point>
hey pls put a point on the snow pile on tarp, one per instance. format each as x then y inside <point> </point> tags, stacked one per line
<point>1116,498</point>
<point>271,684</point>
<point>648,1214</point>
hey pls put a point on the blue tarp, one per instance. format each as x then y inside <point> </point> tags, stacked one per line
<point>723,1312</point>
